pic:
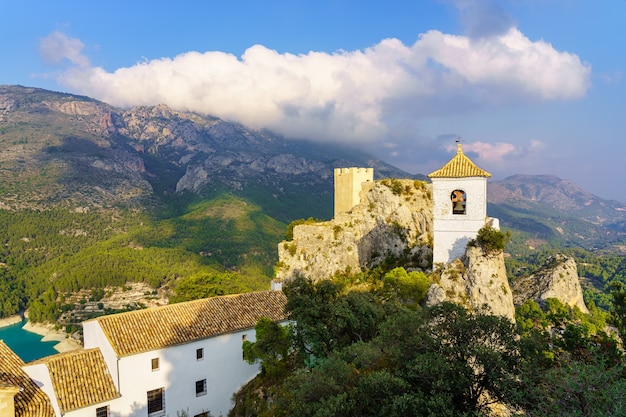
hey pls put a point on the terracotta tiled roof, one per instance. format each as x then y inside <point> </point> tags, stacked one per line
<point>154,328</point>
<point>459,167</point>
<point>79,378</point>
<point>31,401</point>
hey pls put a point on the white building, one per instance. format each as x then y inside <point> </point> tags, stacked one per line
<point>161,361</point>
<point>459,206</point>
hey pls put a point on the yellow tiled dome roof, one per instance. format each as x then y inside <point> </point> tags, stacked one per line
<point>459,167</point>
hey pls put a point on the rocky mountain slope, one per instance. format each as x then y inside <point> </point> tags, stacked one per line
<point>547,191</point>
<point>557,279</point>
<point>71,150</point>
<point>548,209</point>
<point>62,149</point>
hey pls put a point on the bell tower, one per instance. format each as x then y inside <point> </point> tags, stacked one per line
<point>459,206</point>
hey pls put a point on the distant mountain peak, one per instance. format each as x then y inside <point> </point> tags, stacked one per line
<point>549,190</point>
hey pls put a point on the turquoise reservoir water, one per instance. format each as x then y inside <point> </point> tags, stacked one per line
<point>26,345</point>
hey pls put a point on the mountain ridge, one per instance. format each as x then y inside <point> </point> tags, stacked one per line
<point>72,151</point>
<point>144,150</point>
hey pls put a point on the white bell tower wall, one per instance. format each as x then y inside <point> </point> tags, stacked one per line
<point>454,226</point>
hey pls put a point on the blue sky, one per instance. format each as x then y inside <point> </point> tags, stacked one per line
<point>531,86</point>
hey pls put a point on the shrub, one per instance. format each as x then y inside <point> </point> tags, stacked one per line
<point>337,231</point>
<point>491,239</point>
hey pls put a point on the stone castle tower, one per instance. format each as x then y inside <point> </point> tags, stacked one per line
<point>460,206</point>
<point>348,186</point>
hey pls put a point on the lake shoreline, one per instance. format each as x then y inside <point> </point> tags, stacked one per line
<point>65,342</point>
<point>11,320</point>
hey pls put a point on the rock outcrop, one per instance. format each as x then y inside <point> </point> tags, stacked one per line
<point>394,218</point>
<point>557,279</point>
<point>475,281</point>
<point>388,223</point>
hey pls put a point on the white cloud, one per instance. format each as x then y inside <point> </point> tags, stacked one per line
<point>510,62</point>
<point>56,47</point>
<point>536,145</point>
<point>363,96</point>
<point>492,152</point>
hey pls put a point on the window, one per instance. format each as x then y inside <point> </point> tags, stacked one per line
<point>459,200</point>
<point>200,387</point>
<point>156,405</point>
<point>102,411</point>
<point>200,354</point>
<point>243,339</point>
<point>155,364</point>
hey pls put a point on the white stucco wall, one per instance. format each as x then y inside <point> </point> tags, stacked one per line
<point>89,411</point>
<point>222,366</point>
<point>453,231</point>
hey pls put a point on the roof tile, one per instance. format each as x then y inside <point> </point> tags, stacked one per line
<point>155,328</point>
<point>31,401</point>
<point>459,167</point>
<point>79,378</point>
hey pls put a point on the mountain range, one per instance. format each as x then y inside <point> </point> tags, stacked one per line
<point>62,151</point>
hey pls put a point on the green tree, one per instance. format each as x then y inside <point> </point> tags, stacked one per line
<point>576,388</point>
<point>409,288</point>
<point>618,311</point>
<point>491,239</point>
<point>325,319</point>
<point>437,362</point>
<point>271,349</point>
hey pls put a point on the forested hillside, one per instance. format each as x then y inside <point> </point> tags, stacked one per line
<point>67,251</point>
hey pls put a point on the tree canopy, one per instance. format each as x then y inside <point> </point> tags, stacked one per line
<point>363,351</point>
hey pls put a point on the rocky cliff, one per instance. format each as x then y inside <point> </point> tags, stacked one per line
<point>393,218</point>
<point>557,279</point>
<point>64,149</point>
<point>475,281</point>
<point>388,223</point>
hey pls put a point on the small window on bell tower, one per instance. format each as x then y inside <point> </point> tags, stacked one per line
<point>459,200</point>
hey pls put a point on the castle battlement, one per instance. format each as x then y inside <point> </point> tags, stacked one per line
<point>354,170</point>
<point>348,186</point>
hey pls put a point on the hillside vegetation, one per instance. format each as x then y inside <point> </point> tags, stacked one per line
<point>356,347</point>
<point>194,254</point>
